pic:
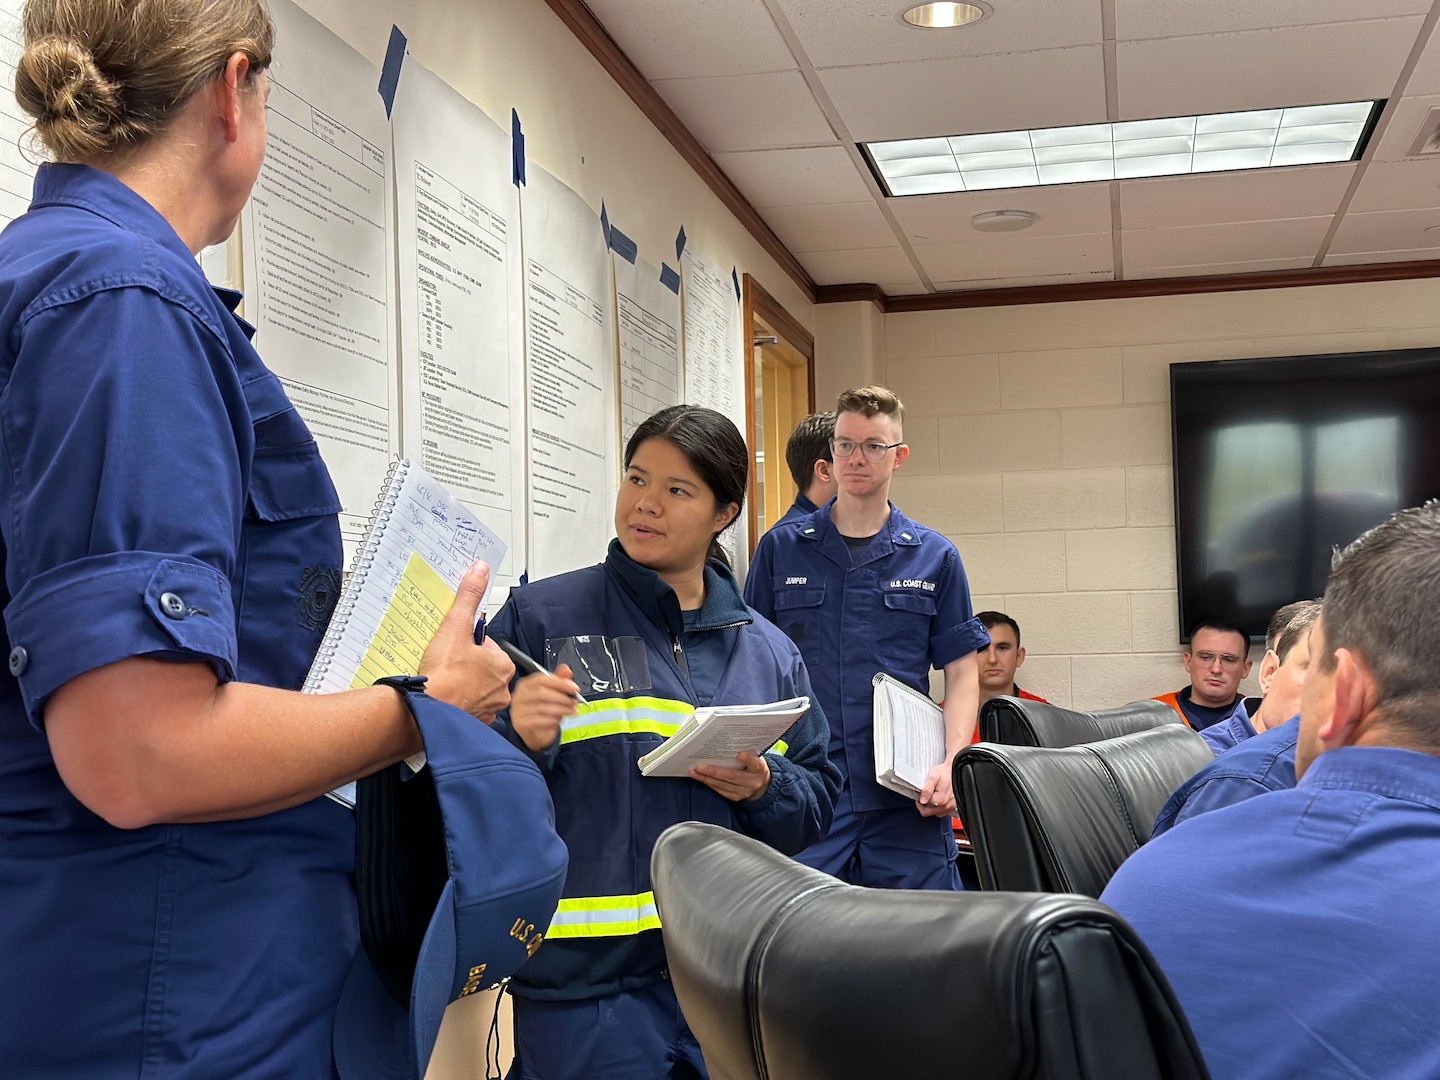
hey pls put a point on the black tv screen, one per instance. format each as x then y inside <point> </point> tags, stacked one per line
<point>1279,461</point>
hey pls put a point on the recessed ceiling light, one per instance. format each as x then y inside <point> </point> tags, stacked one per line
<point>1218,142</point>
<point>1003,220</point>
<point>944,16</point>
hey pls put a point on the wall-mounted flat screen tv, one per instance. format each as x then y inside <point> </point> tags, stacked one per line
<point>1279,461</point>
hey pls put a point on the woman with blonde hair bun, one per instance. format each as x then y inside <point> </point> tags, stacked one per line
<point>176,893</point>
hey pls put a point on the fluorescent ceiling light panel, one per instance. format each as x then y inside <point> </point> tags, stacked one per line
<point>1170,146</point>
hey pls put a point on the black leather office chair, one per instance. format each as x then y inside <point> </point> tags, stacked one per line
<point>1063,819</point>
<point>785,973</point>
<point>1037,723</point>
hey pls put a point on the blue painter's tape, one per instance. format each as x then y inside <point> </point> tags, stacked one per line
<point>669,278</point>
<point>735,277</point>
<point>680,243</point>
<point>517,151</point>
<point>390,72</point>
<point>623,246</point>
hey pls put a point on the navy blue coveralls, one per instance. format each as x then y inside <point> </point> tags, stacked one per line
<point>595,1002</point>
<point>900,606</point>
<point>160,498</point>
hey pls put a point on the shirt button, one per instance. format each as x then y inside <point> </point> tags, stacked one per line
<point>19,660</point>
<point>172,605</point>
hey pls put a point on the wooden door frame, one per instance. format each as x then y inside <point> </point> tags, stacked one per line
<point>757,303</point>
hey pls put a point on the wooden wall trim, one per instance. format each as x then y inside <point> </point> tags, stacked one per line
<point>1119,290</point>
<point>761,303</point>
<point>583,24</point>
<point>845,294</point>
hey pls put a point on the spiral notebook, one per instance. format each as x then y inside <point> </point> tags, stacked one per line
<point>417,547</point>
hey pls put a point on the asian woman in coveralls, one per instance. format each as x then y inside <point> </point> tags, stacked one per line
<point>656,630</point>
<point>175,891</point>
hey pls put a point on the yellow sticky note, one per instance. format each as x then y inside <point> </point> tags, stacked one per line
<point>420,601</point>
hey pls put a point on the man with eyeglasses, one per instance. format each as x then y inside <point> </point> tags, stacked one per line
<point>1217,661</point>
<point>862,589</point>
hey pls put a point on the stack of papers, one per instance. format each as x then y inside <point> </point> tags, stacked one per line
<point>909,736</point>
<point>718,736</point>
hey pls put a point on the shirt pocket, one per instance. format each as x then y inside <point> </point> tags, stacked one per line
<point>798,611</point>
<point>905,639</point>
<point>288,480</point>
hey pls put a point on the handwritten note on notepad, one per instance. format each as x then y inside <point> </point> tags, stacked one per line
<point>410,621</point>
<point>419,545</point>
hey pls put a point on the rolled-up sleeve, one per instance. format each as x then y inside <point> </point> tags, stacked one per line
<point>955,632</point>
<point>123,428</point>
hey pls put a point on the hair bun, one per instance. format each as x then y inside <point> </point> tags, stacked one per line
<point>79,112</point>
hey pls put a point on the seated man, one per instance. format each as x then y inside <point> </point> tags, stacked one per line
<point>999,662</point>
<point>1263,758</point>
<point>811,465</point>
<point>1287,656</point>
<point>1308,942</point>
<point>1217,662</point>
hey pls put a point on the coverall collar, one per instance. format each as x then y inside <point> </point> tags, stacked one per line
<point>722,605</point>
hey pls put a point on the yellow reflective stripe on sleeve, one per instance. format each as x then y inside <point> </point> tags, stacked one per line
<point>780,747</point>
<point>604,916</point>
<point>625,716</point>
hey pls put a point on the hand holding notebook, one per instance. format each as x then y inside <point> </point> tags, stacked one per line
<point>909,733</point>
<point>717,736</point>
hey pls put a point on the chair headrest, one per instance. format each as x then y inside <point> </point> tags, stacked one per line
<point>784,972</point>
<point>1038,723</point>
<point>1063,819</point>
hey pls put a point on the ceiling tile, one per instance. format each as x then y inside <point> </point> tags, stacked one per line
<point>1403,128</point>
<point>1367,258</point>
<point>1253,266</point>
<point>1000,255</point>
<point>1312,65</point>
<point>1049,88</point>
<point>748,112</point>
<point>945,219</point>
<point>768,178</point>
<point>1398,185</point>
<point>1397,230</point>
<point>1225,243</point>
<point>838,32</point>
<point>831,226</point>
<point>720,37</point>
<point>1173,18</point>
<point>1425,79</point>
<point>1027,282</point>
<point>863,264</point>
<point>1239,196</point>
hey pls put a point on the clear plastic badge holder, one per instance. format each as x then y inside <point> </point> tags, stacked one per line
<point>602,666</point>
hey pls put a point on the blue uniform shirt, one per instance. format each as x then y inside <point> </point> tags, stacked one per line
<point>800,508</point>
<point>1264,763</point>
<point>160,498</point>
<point>1298,929</point>
<point>901,607</point>
<point>1234,729</point>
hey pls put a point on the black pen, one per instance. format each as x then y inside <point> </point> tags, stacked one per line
<point>527,663</point>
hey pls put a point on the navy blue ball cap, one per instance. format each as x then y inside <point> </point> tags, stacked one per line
<point>458,872</point>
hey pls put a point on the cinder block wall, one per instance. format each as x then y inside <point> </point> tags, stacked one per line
<point>1040,444</point>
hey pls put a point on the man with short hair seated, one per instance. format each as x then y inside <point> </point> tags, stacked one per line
<point>1000,661</point>
<point>1217,661</point>
<point>1282,673</point>
<point>1309,938</point>
<point>1254,754</point>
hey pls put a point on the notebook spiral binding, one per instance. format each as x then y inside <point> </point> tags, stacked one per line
<point>364,558</point>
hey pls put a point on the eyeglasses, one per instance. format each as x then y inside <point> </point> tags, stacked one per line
<point>1228,660</point>
<point>874,451</point>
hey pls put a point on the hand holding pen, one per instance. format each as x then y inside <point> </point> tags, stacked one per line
<point>542,699</point>
<point>458,665</point>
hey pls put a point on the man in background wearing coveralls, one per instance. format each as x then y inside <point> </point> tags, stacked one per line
<point>861,589</point>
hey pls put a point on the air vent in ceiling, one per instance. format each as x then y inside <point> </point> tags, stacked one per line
<point>1427,139</point>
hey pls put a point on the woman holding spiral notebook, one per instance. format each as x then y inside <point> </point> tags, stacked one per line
<point>655,631</point>
<point>177,892</point>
